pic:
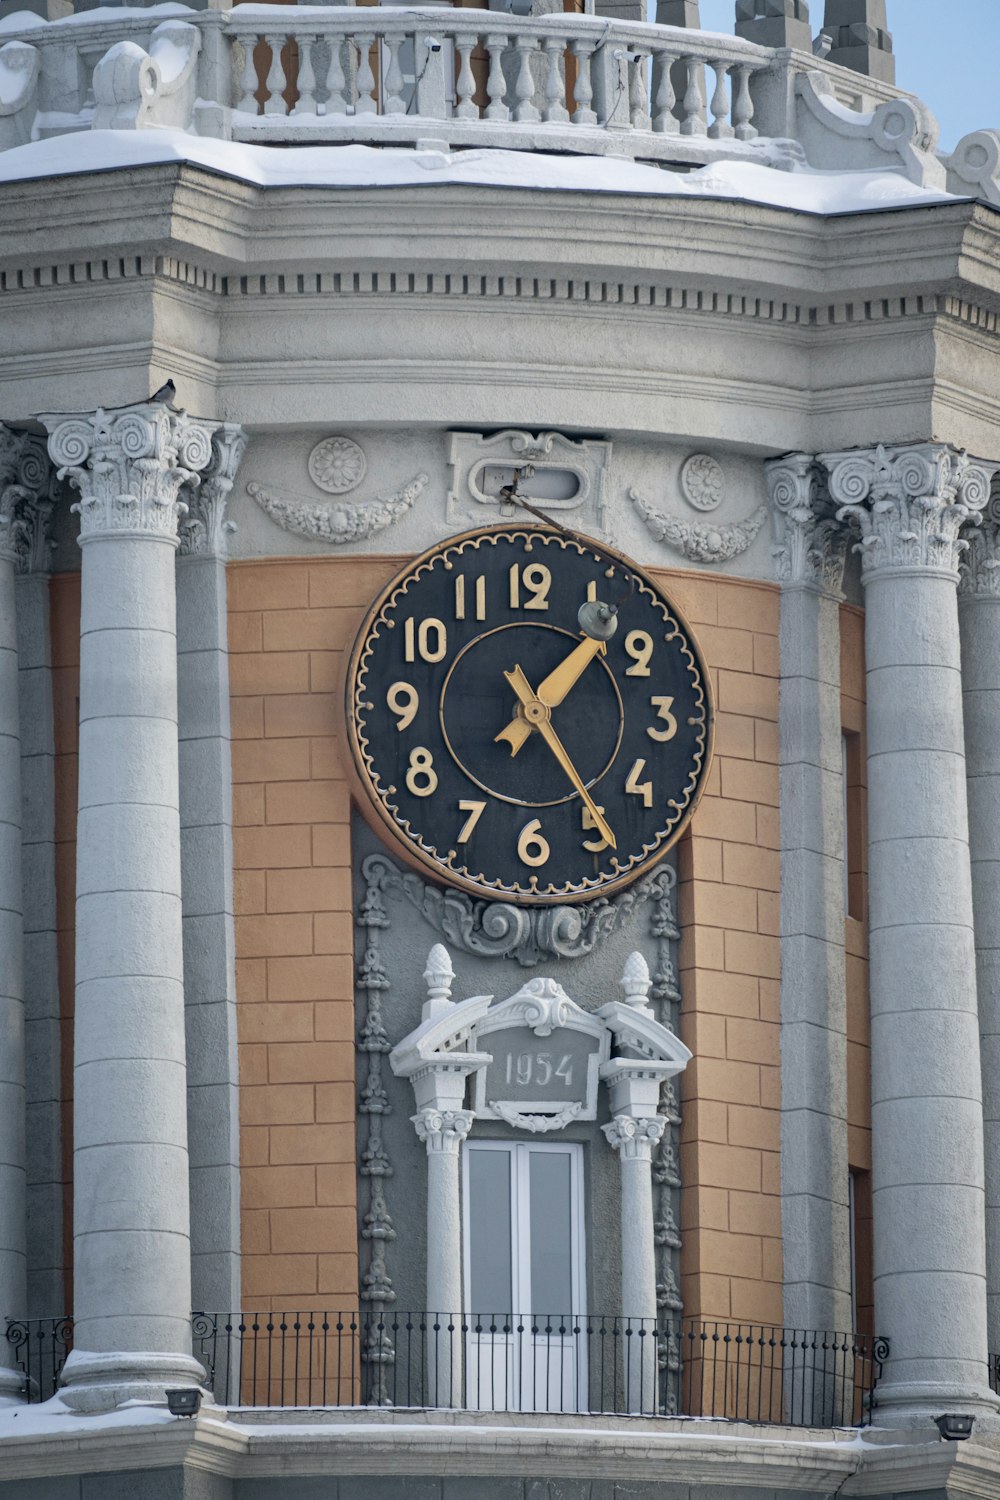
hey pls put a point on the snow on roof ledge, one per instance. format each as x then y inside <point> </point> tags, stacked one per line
<point>803,189</point>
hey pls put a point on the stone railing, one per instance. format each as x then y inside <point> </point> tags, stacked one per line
<point>279,74</point>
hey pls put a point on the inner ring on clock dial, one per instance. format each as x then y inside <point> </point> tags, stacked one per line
<point>477,702</point>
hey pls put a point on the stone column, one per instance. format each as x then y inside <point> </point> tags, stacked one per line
<point>634,1140</point>
<point>979,622</point>
<point>42,1040</point>
<point>23,469</point>
<point>132,1253</point>
<point>927,1119</point>
<point>443,1131</point>
<point>206,801</point>
<point>809,551</point>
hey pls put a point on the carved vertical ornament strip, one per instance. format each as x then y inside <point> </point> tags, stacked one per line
<point>666,1156</point>
<point>377,1228</point>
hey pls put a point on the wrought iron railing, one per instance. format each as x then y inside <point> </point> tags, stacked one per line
<point>595,1365</point>
<point>40,1347</point>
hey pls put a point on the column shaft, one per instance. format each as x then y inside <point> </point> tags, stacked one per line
<point>979,620</point>
<point>443,1131</point>
<point>634,1140</point>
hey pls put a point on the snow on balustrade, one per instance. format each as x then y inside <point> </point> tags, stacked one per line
<point>458,78</point>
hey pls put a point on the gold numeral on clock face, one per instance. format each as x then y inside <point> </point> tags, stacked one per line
<point>532,848</point>
<point>480,598</point>
<point>475,811</point>
<point>595,845</point>
<point>428,637</point>
<point>639,646</point>
<point>643,789</point>
<point>663,707</point>
<point>536,580</point>
<point>421,777</point>
<point>403,701</point>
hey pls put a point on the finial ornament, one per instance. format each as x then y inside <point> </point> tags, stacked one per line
<point>130,465</point>
<point>635,982</point>
<point>909,504</point>
<point>438,977</point>
<point>809,547</point>
<point>25,501</point>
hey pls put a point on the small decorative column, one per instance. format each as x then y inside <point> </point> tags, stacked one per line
<point>809,550</point>
<point>979,622</point>
<point>434,1059</point>
<point>23,470</point>
<point>132,1252</point>
<point>927,1119</point>
<point>646,1054</point>
<point>206,802</point>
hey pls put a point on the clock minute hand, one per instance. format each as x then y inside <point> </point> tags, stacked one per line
<point>537,717</point>
<point>553,689</point>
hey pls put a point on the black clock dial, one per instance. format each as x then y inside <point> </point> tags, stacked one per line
<point>508,752</point>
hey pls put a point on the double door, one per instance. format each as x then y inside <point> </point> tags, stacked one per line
<point>526,1349</point>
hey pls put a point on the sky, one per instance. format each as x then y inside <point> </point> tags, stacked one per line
<point>946,52</point>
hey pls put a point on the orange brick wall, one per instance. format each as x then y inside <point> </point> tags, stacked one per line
<point>729,874</point>
<point>289,624</point>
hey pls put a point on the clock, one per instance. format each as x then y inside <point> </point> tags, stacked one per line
<point>506,750</point>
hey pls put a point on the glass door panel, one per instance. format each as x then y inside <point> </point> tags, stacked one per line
<point>525,1262</point>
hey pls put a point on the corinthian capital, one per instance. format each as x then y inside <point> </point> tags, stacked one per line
<point>204,531</point>
<point>981,563</point>
<point>25,500</point>
<point>634,1139</point>
<point>443,1130</point>
<point>809,545</point>
<point>130,466</point>
<point>909,504</point>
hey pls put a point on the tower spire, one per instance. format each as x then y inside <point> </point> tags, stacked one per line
<point>775,23</point>
<point>860,38</point>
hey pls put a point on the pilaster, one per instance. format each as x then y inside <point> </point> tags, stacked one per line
<point>909,505</point>
<point>24,474</point>
<point>979,623</point>
<point>132,1258</point>
<point>809,550</point>
<point>205,779</point>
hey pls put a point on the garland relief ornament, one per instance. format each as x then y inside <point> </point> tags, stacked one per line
<point>696,540</point>
<point>337,465</point>
<point>343,521</point>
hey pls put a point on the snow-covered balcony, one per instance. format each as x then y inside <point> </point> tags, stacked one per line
<point>456,79</point>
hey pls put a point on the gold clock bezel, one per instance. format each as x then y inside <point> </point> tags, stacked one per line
<point>405,841</point>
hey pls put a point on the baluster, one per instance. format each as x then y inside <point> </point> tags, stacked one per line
<point>638,98</point>
<point>743,107</point>
<point>336,83</point>
<point>583,90</point>
<point>365,104</point>
<point>465,86</point>
<point>693,120</point>
<point>394,104</point>
<point>275,103</point>
<point>306,102</point>
<point>525,85</point>
<point>720,127</point>
<point>555,83</point>
<point>248,78</point>
<point>496,84</point>
<point>665,122</point>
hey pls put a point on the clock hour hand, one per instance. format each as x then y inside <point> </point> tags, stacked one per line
<point>553,689</point>
<point>536,716</point>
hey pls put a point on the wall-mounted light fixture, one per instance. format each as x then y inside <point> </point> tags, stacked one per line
<point>184,1402</point>
<point>955,1428</point>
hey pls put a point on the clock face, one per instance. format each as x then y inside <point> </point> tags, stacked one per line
<point>510,753</point>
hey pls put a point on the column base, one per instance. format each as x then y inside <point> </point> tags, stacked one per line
<point>917,1403</point>
<point>100,1382</point>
